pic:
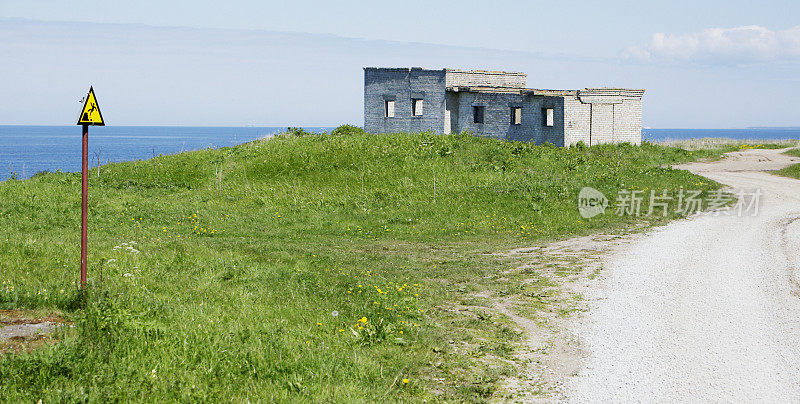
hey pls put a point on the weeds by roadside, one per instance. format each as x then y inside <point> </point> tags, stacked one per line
<point>792,171</point>
<point>724,145</point>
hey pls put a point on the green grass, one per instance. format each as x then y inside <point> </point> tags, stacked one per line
<point>792,171</point>
<point>307,267</point>
<point>724,145</point>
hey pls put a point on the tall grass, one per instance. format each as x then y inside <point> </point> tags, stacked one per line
<point>306,267</point>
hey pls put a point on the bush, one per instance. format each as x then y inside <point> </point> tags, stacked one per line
<point>299,132</point>
<point>348,130</point>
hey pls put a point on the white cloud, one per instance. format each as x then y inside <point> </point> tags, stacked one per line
<point>738,45</point>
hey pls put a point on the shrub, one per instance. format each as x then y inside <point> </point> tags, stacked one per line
<point>347,130</point>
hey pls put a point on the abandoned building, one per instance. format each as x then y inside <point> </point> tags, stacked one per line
<point>497,104</point>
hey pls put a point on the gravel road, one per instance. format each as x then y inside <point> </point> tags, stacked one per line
<point>705,309</point>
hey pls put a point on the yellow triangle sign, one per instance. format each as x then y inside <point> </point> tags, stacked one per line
<point>90,115</point>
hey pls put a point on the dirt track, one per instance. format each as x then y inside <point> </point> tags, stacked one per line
<point>703,309</point>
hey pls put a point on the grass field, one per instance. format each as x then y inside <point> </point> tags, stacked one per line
<point>791,171</point>
<point>727,144</point>
<point>303,268</point>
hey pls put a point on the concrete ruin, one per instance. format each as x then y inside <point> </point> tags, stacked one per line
<point>499,105</point>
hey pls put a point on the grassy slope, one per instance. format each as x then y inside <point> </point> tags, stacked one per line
<point>222,269</point>
<point>792,171</point>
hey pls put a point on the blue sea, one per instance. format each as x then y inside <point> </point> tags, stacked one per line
<point>747,133</point>
<point>26,150</point>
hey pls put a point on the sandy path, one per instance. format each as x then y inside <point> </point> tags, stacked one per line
<point>704,309</point>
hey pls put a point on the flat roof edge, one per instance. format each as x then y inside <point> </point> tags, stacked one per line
<point>447,69</point>
<point>401,68</point>
<point>494,72</point>
<point>607,91</point>
<point>586,92</point>
<point>511,90</point>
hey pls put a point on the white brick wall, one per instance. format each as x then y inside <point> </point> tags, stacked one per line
<point>602,124</point>
<point>604,116</point>
<point>628,121</point>
<point>576,121</point>
<point>480,78</point>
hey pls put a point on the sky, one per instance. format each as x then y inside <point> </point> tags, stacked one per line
<point>704,64</point>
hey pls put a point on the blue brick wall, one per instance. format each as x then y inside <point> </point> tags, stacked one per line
<point>401,85</point>
<point>497,117</point>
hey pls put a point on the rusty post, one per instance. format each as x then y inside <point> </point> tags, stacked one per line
<point>84,204</point>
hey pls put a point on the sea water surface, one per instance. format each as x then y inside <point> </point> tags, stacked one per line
<point>27,150</point>
<point>756,134</point>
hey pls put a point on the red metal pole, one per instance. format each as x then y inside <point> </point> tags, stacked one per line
<point>84,204</point>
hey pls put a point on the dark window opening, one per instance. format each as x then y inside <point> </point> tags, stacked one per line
<point>477,114</point>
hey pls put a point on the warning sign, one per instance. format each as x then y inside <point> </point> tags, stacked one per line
<point>90,115</point>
